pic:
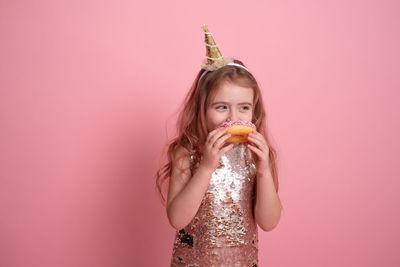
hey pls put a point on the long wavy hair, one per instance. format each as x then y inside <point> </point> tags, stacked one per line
<point>191,124</point>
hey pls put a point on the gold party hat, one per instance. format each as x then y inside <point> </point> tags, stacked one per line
<point>214,59</point>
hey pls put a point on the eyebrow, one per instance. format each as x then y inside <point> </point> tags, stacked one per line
<point>222,102</point>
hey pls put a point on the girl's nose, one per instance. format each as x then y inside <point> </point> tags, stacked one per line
<point>232,117</point>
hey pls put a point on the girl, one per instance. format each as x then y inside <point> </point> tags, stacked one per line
<point>219,192</point>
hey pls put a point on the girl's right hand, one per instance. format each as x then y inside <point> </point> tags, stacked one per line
<point>212,148</point>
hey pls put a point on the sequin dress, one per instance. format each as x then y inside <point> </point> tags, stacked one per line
<point>223,232</point>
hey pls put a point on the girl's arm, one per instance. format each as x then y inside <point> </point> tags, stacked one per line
<point>185,193</point>
<point>267,207</point>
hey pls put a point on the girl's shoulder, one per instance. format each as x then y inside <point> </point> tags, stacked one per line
<point>184,158</point>
<point>181,156</point>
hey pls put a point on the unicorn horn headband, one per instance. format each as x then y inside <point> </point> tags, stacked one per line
<point>214,59</point>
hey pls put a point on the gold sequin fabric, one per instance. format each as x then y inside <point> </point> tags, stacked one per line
<point>223,231</point>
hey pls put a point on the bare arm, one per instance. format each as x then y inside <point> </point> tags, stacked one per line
<point>267,208</point>
<point>185,193</point>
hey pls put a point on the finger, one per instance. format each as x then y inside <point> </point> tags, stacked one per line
<point>212,133</point>
<point>257,142</point>
<point>261,138</point>
<point>255,150</point>
<point>220,141</point>
<point>258,136</point>
<point>225,149</point>
<point>218,134</point>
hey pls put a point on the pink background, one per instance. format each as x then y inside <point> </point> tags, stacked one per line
<point>89,88</point>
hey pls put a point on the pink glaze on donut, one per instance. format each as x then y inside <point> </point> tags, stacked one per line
<point>243,123</point>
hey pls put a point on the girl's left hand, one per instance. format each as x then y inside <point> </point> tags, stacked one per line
<point>259,146</point>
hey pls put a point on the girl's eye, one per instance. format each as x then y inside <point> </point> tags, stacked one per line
<point>245,107</point>
<point>221,107</point>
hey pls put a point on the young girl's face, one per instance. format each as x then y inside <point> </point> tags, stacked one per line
<point>231,102</point>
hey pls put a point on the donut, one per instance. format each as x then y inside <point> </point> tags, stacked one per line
<point>239,130</point>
